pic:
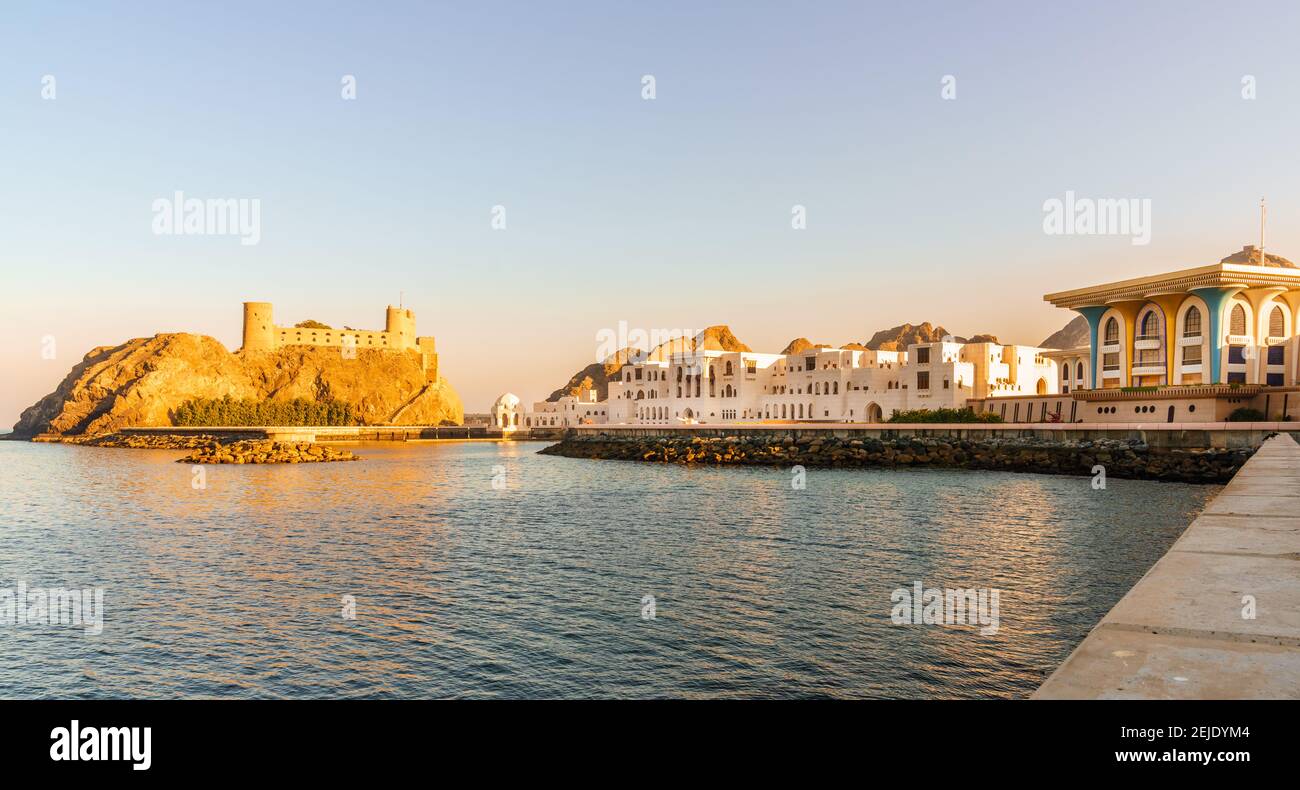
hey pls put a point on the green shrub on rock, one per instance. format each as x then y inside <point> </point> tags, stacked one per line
<point>943,415</point>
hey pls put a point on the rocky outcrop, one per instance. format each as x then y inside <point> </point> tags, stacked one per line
<point>148,441</point>
<point>1072,335</point>
<point>898,338</point>
<point>266,452</point>
<point>800,345</point>
<point>140,382</point>
<point>1121,459</point>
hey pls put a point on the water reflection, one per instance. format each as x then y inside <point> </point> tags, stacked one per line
<point>463,589</point>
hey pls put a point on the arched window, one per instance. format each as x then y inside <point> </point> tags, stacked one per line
<point>728,368</point>
<point>1237,322</point>
<point>800,410</point>
<point>836,387</point>
<point>1276,323</point>
<point>1192,322</point>
<point>1151,324</point>
<point>1079,373</point>
<point>1112,332</point>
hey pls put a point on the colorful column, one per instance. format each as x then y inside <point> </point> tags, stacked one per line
<point>1093,314</point>
<point>1215,297</point>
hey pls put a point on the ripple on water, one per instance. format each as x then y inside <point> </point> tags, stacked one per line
<point>462,590</point>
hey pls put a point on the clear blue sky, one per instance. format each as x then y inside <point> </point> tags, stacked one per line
<point>666,213</point>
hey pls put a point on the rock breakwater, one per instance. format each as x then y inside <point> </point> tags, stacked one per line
<point>252,451</point>
<point>1120,459</point>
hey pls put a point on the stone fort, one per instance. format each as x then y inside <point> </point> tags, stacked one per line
<point>261,334</point>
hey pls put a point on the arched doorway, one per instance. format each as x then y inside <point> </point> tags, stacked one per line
<point>874,413</point>
<point>1042,386</point>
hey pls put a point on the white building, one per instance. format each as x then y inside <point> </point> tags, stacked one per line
<point>825,385</point>
<point>566,412</point>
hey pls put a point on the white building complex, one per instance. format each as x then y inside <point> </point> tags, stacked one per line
<point>818,385</point>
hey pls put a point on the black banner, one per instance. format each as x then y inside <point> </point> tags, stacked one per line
<point>333,739</point>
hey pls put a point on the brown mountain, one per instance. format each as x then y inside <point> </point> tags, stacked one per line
<point>900,337</point>
<point>141,381</point>
<point>597,375</point>
<point>1072,335</point>
<point>802,344</point>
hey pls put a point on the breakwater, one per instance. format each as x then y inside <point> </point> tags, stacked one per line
<point>1121,456</point>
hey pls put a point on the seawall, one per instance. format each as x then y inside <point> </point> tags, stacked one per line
<point>1189,455</point>
<point>1218,617</point>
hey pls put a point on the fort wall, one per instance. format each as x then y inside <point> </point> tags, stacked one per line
<point>261,334</point>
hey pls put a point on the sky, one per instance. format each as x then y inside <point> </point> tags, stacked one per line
<point>668,212</point>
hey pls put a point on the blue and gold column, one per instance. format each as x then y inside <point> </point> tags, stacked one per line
<point>1093,314</point>
<point>1216,297</point>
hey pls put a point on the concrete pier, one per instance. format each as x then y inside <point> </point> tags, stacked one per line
<point>1184,630</point>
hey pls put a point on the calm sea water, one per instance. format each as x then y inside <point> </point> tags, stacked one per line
<point>464,590</point>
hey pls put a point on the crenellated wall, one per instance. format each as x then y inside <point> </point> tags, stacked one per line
<point>261,334</point>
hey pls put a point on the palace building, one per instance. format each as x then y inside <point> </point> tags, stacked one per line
<point>1228,323</point>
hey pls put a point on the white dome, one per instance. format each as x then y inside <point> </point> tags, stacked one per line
<point>507,400</point>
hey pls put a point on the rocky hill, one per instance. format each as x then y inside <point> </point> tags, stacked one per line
<point>597,375</point>
<point>139,382</point>
<point>1072,335</point>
